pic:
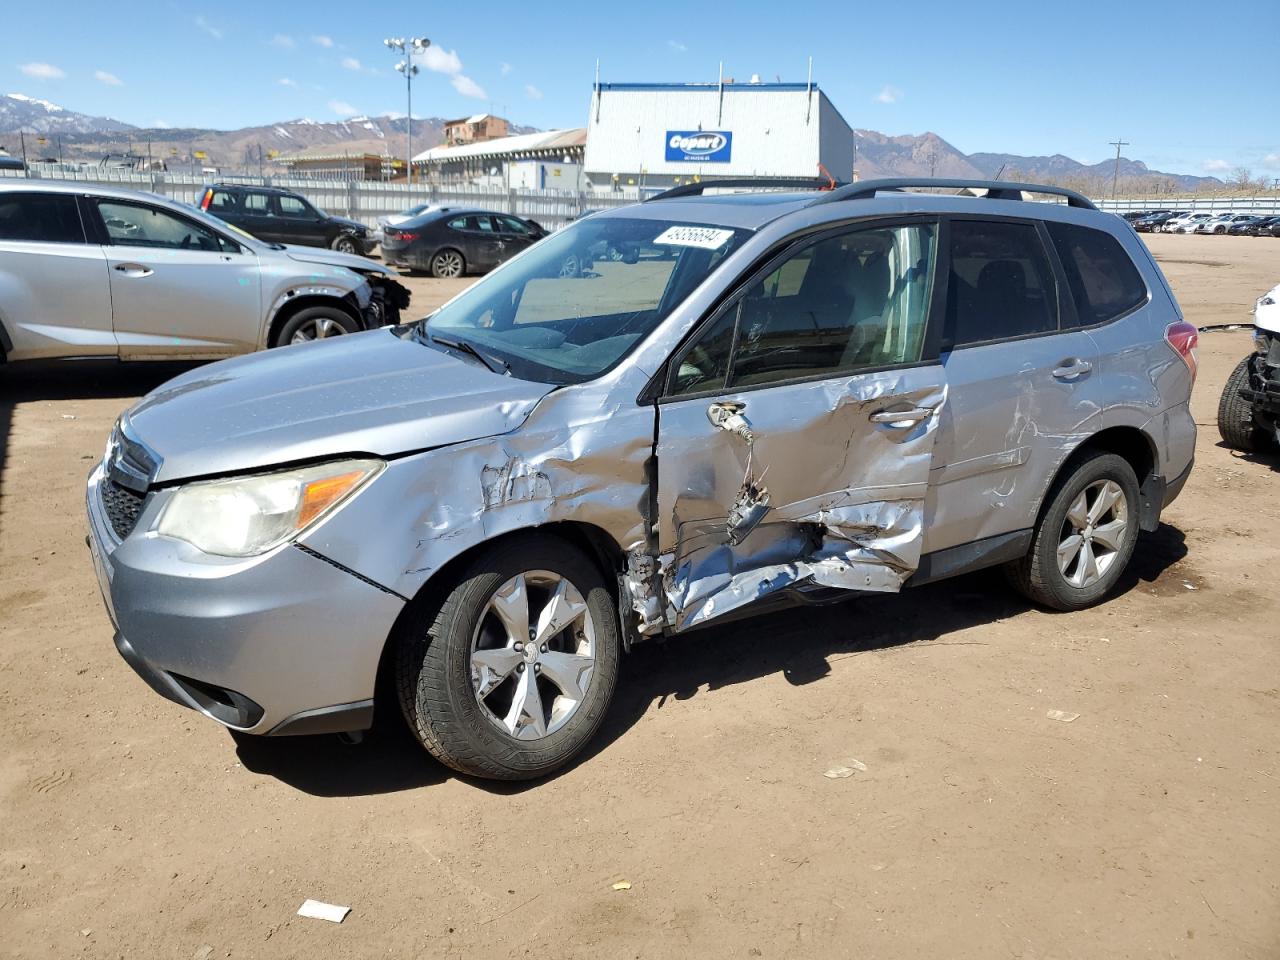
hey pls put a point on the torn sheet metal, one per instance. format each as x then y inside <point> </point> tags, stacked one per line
<point>727,538</point>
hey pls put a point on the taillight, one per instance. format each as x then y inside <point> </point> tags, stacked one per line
<point>204,201</point>
<point>1184,337</point>
<point>405,236</point>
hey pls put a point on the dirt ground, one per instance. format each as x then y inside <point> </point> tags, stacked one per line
<point>1149,826</point>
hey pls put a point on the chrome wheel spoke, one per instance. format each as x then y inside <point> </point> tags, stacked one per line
<point>570,672</point>
<point>1068,550</point>
<point>1078,515</point>
<point>563,609</point>
<point>511,605</point>
<point>1110,535</point>
<point>490,667</point>
<point>525,720</point>
<point>1108,495</point>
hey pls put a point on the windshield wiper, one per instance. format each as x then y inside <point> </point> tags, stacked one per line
<point>495,364</point>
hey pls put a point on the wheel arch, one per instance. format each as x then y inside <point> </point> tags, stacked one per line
<point>1139,450</point>
<point>293,305</point>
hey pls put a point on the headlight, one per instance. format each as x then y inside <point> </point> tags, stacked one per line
<point>247,516</point>
<point>1261,341</point>
<point>1266,301</point>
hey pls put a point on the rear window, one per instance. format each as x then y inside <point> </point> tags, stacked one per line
<point>1103,280</point>
<point>1002,285</point>
<point>40,217</point>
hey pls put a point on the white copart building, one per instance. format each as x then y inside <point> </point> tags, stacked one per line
<point>654,135</point>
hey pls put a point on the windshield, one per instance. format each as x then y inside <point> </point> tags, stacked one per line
<point>577,302</point>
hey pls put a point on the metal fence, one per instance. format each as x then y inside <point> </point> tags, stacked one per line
<point>363,200</point>
<point>1262,206</point>
<point>367,200</point>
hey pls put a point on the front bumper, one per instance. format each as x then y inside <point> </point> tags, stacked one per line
<point>284,643</point>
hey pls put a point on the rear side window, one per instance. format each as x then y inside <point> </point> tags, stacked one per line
<point>1002,285</point>
<point>1103,280</point>
<point>220,201</point>
<point>257,203</point>
<point>40,217</point>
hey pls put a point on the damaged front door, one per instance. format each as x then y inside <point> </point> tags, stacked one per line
<point>796,434</point>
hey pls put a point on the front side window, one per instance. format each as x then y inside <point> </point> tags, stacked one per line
<point>856,301</point>
<point>512,225</point>
<point>40,217</point>
<point>578,301</point>
<point>295,207</point>
<point>136,225</point>
<point>1103,280</point>
<point>1002,285</point>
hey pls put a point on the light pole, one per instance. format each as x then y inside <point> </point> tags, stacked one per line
<point>407,48</point>
<point>1115,176</point>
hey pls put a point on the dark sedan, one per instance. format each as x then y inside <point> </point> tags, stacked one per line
<point>1261,227</point>
<point>450,242</point>
<point>1154,221</point>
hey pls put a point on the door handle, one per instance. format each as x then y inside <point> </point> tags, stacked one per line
<point>1072,368</point>
<point>901,418</point>
<point>134,270</point>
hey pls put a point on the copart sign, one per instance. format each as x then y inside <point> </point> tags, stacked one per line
<point>699,146</point>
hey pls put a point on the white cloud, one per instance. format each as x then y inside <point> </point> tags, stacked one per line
<point>342,108</point>
<point>288,82</point>
<point>532,92</point>
<point>283,40</point>
<point>468,87</point>
<point>351,63</point>
<point>889,94</point>
<point>209,28</point>
<point>159,125</point>
<point>505,69</point>
<point>110,79</point>
<point>676,46</point>
<point>322,41</point>
<point>441,60</point>
<point>42,71</point>
<point>1212,165</point>
<point>1272,160</point>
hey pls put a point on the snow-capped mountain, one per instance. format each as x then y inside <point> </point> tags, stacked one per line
<point>33,115</point>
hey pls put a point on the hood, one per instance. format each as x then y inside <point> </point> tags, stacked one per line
<point>332,258</point>
<point>369,392</point>
<point>1266,316</point>
<point>348,222</point>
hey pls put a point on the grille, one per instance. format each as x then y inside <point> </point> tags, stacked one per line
<point>122,506</point>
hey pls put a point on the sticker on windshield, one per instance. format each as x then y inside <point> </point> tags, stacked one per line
<point>708,238</point>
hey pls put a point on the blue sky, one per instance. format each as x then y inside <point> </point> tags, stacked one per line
<point>1180,81</point>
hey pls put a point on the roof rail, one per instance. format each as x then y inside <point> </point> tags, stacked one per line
<point>996,190</point>
<point>792,183</point>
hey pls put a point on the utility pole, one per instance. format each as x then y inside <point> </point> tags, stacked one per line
<point>407,48</point>
<point>1115,176</point>
<point>933,162</point>
<point>22,138</point>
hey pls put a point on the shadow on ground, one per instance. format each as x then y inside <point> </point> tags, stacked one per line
<point>799,643</point>
<point>1267,457</point>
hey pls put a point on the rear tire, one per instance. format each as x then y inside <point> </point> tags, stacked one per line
<point>448,265</point>
<point>480,703</point>
<point>315,323</point>
<point>1052,573</point>
<point>1236,424</point>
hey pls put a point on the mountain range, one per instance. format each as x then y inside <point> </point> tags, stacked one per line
<point>78,136</point>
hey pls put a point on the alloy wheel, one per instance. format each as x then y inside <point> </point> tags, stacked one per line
<point>448,265</point>
<point>533,655</point>
<point>1093,533</point>
<point>321,328</point>
<point>345,245</point>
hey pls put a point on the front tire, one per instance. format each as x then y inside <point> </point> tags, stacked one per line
<point>1236,422</point>
<point>315,323</point>
<point>511,675</point>
<point>1084,539</point>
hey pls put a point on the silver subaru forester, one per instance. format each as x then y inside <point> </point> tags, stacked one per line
<point>762,398</point>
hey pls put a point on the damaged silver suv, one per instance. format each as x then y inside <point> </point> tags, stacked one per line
<point>761,398</point>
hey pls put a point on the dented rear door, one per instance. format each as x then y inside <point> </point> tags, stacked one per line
<point>796,438</point>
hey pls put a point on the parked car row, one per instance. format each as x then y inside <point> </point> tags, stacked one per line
<point>1187,221</point>
<point>92,271</point>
